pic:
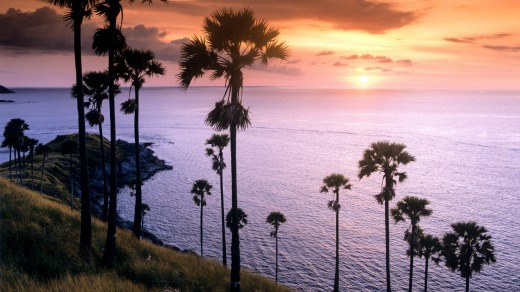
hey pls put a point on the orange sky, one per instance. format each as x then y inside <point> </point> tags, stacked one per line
<point>415,44</point>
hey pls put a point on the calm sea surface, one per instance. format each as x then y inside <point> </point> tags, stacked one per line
<point>467,146</point>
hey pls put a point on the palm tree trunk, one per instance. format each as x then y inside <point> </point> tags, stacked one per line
<point>32,170</point>
<point>41,179</point>
<point>426,274</point>
<point>86,223</point>
<point>276,264</point>
<point>336,275</point>
<point>71,182</point>
<point>22,178</point>
<point>10,170</point>
<point>138,190</point>
<point>201,227</point>
<point>224,256</point>
<point>110,245</point>
<point>104,214</point>
<point>467,283</point>
<point>387,241</point>
<point>410,279</point>
<point>235,241</point>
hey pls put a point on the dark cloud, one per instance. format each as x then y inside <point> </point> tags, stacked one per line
<point>340,64</point>
<point>372,68</point>
<point>383,59</point>
<point>150,38</point>
<point>351,57</point>
<point>325,53</point>
<point>503,48</point>
<point>405,62</point>
<point>460,40</point>
<point>366,15</point>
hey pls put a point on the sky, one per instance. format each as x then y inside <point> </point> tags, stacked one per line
<point>372,44</point>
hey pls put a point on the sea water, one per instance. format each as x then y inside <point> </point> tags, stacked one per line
<point>466,144</point>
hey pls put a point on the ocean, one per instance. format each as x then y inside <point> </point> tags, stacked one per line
<point>466,144</point>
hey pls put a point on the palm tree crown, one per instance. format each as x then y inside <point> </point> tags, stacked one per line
<point>276,219</point>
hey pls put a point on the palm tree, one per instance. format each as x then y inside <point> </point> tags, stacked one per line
<point>233,40</point>
<point>31,143</point>
<point>467,248</point>
<point>77,12</point>
<point>429,247</point>
<point>134,65</point>
<point>109,40</point>
<point>413,208</point>
<point>95,86</point>
<point>242,219</point>
<point>200,189</point>
<point>218,142</point>
<point>44,150</point>
<point>276,219</point>
<point>70,147</point>
<point>334,183</point>
<point>13,138</point>
<point>385,157</point>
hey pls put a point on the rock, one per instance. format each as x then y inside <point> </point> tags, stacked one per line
<point>5,90</point>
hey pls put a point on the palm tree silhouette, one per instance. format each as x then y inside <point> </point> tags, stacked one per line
<point>276,219</point>
<point>334,183</point>
<point>78,11</point>
<point>109,40</point>
<point>242,219</point>
<point>467,249</point>
<point>43,150</point>
<point>413,208</point>
<point>133,66</point>
<point>233,40</point>
<point>31,143</point>
<point>218,142</point>
<point>13,138</point>
<point>70,147</point>
<point>385,157</point>
<point>200,189</point>
<point>429,247</point>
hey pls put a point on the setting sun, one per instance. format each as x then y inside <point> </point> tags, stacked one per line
<point>363,80</point>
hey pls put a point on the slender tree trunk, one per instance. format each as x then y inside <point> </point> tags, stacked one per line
<point>276,263</point>
<point>467,283</point>
<point>71,183</point>
<point>32,170</point>
<point>410,277</point>
<point>387,231</point>
<point>86,223</point>
<point>138,189</point>
<point>336,275</point>
<point>201,227</point>
<point>235,240</point>
<point>41,180</point>
<point>426,274</point>
<point>22,178</point>
<point>110,245</point>
<point>104,214</point>
<point>10,174</point>
<point>224,255</point>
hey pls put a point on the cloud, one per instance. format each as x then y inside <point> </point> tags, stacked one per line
<point>351,57</point>
<point>284,70</point>
<point>405,62</point>
<point>365,15</point>
<point>503,48</point>
<point>460,40</point>
<point>150,38</point>
<point>325,53</point>
<point>293,61</point>
<point>340,64</point>
<point>372,68</point>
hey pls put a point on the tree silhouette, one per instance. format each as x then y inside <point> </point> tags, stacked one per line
<point>218,142</point>
<point>276,219</point>
<point>77,12</point>
<point>70,147</point>
<point>467,249</point>
<point>144,210</point>
<point>385,157</point>
<point>133,66</point>
<point>13,138</point>
<point>31,143</point>
<point>43,150</point>
<point>108,40</point>
<point>200,189</point>
<point>334,183</point>
<point>412,208</point>
<point>232,40</point>
<point>242,219</point>
<point>429,247</point>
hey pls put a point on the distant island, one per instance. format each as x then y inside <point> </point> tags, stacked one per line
<point>4,89</point>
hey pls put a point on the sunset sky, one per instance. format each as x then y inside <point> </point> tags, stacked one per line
<point>409,44</point>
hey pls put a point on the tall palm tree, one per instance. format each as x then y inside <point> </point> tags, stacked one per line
<point>385,157</point>
<point>107,41</point>
<point>77,12</point>
<point>467,249</point>
<point>13,138</point>
<point>242,219</point>
<point>43,150</point>
<point>133,66</point>
<point>276,219</point>
<point>413,208</point>
<point>429,247</point>
<point>70,147</point>
<point>334,183</point>
<point>232,40</point>
<point>95,86</point>
<point>218,142</point>
<point>200,189</point>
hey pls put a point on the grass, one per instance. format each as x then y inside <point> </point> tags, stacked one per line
<point>39,244</point>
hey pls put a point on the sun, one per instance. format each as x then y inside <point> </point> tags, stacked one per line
<point>363,80</point>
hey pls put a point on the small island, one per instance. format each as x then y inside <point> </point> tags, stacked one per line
<point>4,89</point>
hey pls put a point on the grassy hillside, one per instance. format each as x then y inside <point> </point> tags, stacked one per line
<point>39,240</point>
